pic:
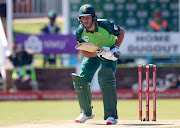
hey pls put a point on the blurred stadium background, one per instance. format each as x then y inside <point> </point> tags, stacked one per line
<point>24,19</point>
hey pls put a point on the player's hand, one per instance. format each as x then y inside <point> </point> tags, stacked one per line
<point>115,51</point>
<point>107,54</point>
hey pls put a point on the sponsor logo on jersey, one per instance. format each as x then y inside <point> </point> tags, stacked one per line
<point>100,35</point>
<point>115,27</point>
<point>86,39</point>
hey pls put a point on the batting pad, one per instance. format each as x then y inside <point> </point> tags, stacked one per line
<point>107,82</point>
<point>83,91</point>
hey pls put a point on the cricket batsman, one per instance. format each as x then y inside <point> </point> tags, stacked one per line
<point>109,36</point>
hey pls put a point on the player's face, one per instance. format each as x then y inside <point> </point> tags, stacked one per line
<point>158,17</point>
<point>86,20</point>
<point>52,20</point>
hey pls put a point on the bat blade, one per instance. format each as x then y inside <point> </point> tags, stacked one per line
<point>89,47</point>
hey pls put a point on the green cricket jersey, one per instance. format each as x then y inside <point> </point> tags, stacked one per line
<point>104,35</point>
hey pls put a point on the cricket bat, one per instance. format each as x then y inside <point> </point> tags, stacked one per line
<point>89,48</point>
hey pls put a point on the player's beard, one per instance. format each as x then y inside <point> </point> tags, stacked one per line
<point>89,25</point>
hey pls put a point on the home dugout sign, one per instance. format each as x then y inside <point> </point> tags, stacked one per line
<point>142,43</point>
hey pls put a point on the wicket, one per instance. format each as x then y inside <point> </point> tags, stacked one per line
<point>140,69</point>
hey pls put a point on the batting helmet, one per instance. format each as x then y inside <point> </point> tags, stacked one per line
<point>87,10</point>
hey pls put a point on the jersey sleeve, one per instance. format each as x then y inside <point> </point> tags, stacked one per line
<point>110,27</point>
<point>116,29</point>
<point>79,33</point>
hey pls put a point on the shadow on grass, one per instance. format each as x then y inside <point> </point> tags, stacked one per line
<point>144,124</point>
<point>135,124</point>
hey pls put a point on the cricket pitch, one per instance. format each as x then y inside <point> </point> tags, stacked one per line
<point>90,124</point>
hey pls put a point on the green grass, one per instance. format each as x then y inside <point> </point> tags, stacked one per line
<point>30,28</point>
<point>69,110</point>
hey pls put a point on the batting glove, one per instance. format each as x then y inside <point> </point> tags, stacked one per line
<point>107,54</point>
<point>115,51</point>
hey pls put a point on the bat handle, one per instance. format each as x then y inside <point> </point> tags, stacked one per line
<point>117,54</point>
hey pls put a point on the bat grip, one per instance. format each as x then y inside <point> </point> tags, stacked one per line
<point>117,54</point>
